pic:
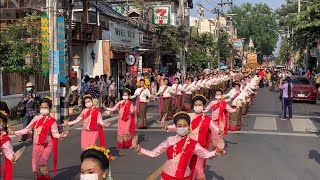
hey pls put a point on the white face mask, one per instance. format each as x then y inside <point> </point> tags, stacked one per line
<point>125,97</point>
<point>28,89</point>
<point>44,111</point>
<point>89,104</point>
<point>198,109</point>
<point>89,176</point>
<point>183,131</point>
<point>218,97</point>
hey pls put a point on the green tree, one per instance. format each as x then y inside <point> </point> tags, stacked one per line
<point>259,23</point>
<point>168,39</point>
<point>303,27</point>
<point>201,51</point>
<point>19,40</point>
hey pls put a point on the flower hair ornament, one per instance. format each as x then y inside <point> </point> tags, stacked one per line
<point>128,90</point>
<point>105,151</point>
<point>180,113</point>
<point>200,95</point>
<point>48,97</point>
<point>4,114</point>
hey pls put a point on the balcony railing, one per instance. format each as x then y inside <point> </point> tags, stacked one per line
<point>86,32</point>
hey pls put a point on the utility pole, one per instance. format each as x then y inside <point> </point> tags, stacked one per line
<point>200,17</point>
<point>183,47</point>
<point>299,6</point>
<point>218,12</point>
<point>54,78</point>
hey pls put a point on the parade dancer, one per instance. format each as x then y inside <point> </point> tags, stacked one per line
<point>93,124</point>
<point>194,84</point>
<point>233,95</point>
<point>165,105</point>
<point>180,150</point>
<point>142,95</point>
<point>201,129</point>
<point>176,90</point>
<point>199,85</point>
<point>6,148</point>
<point>126,120</point>
<point>220,116</point>
<point>45,140</point>
<point>189,89</point>
<point>207,86</point>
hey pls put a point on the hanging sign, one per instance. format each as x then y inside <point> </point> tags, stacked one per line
<point>123,35</point>
<point>61,49</point>
<point>45,44</point>
<point>130,60</point>
<point>162,15</point>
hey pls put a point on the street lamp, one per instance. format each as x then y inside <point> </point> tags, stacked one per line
<point>76,60</point>
<point>28,59</point>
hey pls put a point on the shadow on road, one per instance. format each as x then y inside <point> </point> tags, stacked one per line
<point>68,173</point>
<point>314,154</point>
<point>212,175</point>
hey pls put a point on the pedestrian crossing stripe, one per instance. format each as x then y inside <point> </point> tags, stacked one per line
<point>263,123</point>
<point>303,125</point>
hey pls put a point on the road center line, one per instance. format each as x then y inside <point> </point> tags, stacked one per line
<point>155,174</point>
<point>272,115</point>
<point>274,133</point>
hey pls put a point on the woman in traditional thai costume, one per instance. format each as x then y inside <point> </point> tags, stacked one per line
<point>95,163</point>
<point>45,140</point>
<point>194,83</point>
<point>165,105</point>
<point>6,147</point>
<point>201,129</point>
<point>236,102</point>
<point>142,95</point>
<point>189,89</point>
<point>176,90</point>
<point>201,85</point>
<point>93,124</point>
<point>126,120</point>
<point>180,150</point>
<point>220,115</point>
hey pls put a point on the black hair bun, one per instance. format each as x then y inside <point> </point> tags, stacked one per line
<point>96,154</point>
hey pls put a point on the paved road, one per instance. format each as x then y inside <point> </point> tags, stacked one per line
<point>265,148</point>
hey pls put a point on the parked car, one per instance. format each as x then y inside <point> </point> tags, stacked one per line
<point>303,89</point>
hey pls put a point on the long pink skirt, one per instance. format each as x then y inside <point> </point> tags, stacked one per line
<point>41,155</point>
<point>88,138</point>
<point>124,136</point>
<point>199,172</point>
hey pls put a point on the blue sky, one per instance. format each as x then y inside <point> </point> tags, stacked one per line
<point>208,4</point>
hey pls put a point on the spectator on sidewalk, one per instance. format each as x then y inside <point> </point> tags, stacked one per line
<point>112,94</point>
<point>4,107</point>
<point>94,91</point>
<point>286,89</point>
<point>121,85</point>
<point>31,99</point>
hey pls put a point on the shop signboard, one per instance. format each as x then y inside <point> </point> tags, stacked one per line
<point>134,70</point>
<point>121,35</point>
<point>162,15</point>
<point>61,49</point>
<point>146,70</point>
<point>45,44</point>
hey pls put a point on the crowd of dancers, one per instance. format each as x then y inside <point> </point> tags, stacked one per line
<point>186,152</point>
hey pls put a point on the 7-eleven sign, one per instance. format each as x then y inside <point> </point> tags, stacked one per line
<point>162,15</point>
